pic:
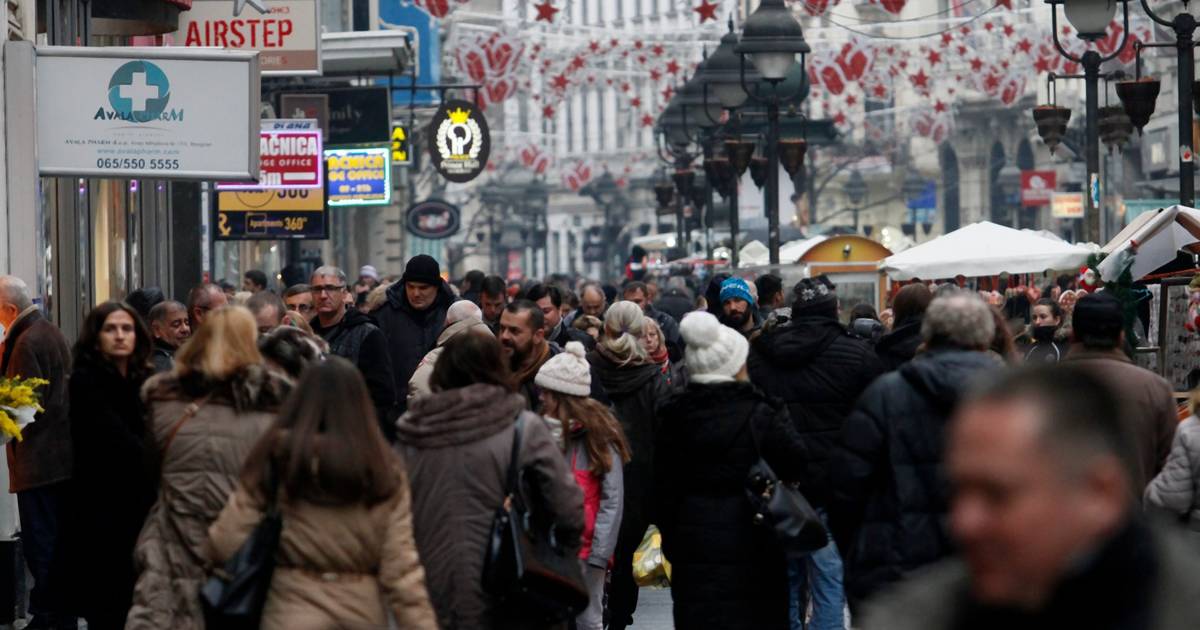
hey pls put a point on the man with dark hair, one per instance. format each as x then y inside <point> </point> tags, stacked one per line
<point>1098,330</point>
<point>412,317</point>
<point>472,286</point>
<point>169,325</point>
<point>1044,514</point>
<point>638,293</point>
<point>493,297</point>
<point>908,308</point>
<point>818,369</point>
<point>145,299</point>
<point>549,299</point>
<point>355,337</point>
<point>770,293</point>
<point>268,311</point>
<point>254,281</point>
<point>201,300</point>
<point>298,297</point>
<point>523,337</point>
<point>678,300</point>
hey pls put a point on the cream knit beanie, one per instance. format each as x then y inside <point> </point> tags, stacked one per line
<point>567,372</point>
<point>714,352</point>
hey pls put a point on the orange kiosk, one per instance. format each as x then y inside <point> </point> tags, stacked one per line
<point>852,263</point>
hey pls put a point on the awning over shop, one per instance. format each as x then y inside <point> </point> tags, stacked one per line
<point>1155,238</point>
<point>367,52</point>
<point>984,249</point>
<point>135,17</point>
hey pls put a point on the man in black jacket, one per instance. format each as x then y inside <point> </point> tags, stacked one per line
<point>890,496</point>
<point>549,299</point>
<point>169,326</point>
<point>412,317</point>
<point>818,369</point>
<point>354,337</point>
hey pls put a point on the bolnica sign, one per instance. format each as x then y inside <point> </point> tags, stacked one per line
<point>289,157</point>
<point>286,33</point>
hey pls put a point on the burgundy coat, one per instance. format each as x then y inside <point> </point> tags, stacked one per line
<point>36,348</point>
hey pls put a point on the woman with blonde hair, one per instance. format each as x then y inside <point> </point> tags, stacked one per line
<point>203,419</point>
<point>634,384</point>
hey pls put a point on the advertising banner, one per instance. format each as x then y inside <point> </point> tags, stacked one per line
<point>359,177</point>
<point>289,157</point>
<point>287,33</point>
<point>1066,206</point>
<point>433,219</point>
<point>270,214</point>
<point>359,116</point>
<point>313,106</point>
<point>459,141</point>
<point>401,144</point>
<point>1037,187</point>
<point>147,112</point>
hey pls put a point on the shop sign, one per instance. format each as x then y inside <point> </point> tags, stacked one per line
<point>459,141</point>
<point>359,177</point>
<point>289,157</point>
<point>145,112</point>
<point>270,214</point>
<point>1066,206</point>
<point>314,106</point>
<point>593,252</point>
<point>1037,187</point>
<point>433,219</point>
<point>401,145</point>
<point>286,33</point>
<point>359,116</point>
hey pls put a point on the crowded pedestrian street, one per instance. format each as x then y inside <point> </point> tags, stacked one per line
<point>599,315</point>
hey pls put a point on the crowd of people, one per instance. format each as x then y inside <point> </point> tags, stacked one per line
<point>968,475</point>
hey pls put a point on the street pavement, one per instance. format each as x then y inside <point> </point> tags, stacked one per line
<point>653,610</point>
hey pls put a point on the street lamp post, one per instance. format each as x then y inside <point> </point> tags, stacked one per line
<point>856,192</point>
<point>537,203</point>
<point>1090,19</point>
<point>1009,181</point>
<point>1184,25</point>
<point>771,38</point>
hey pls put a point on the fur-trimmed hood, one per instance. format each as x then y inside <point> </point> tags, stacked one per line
<point>254,387</point>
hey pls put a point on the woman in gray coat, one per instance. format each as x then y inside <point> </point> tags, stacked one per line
<point>1176,489</point>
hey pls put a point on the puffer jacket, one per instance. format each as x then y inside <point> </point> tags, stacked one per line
<point>410,333</point>
<point>200,467</point>
<point>603,499</point>
<point>1176,489</point>
<point>457,445</point>
<point>357,339</point>
<point>899,346</point>
<point>819,369</point>
<point>418,385</point>
<point>340,566</point>
<point>727,572</point>
<point>890,492</point>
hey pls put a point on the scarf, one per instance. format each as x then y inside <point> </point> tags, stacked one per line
<point>661,356</point>
<point>526,374</point>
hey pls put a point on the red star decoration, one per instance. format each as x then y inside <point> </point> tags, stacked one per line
<point>939,107</point>
<point>655,75</point>
<point>642,59</point>
<point>1007,4</point>
<point>988,26</point>
<point>1041,66</point>
<point>635,102</point>
<point>1025,45</point>
<point>962,51</point>
<point>966,30</point>
<point>920,79</point>
<point>594,46</point>
<point>976,65</point>
<point>947,37</point>
<point>613,43</point>
<point>624,87</point>
<point>548,111</point>
<point>1066,30</point>
<point>658,50</point>
<point>880,91</point>
<point>647,120</point>
<point>672,67</point>
<point>840,119</point>
<point>851,100</point>
<point>707,11</point>
<point>668,92</point>
<point>638,44</point>
<point>991,82</point>
<point>577,62</point>
<point>545,11</point>
<point>559,82</point>
<point>592,80</point>
<point>934,57</point>
<point>903,64</point>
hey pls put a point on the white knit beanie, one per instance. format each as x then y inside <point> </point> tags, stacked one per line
<point>567,372</point>
<point>714,352</point>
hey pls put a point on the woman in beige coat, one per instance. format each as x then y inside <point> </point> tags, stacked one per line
<point>346,555</point>
<point>204,418</point>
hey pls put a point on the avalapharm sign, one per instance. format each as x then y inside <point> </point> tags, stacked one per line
<point>147,112</point>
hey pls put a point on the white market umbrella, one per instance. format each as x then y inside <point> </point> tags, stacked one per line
<point>753,254</point>
<point>1154,238</point>
<point>984,249</point>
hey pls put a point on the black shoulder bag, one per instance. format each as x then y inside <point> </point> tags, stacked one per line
<point>782,508</point>
<point>233,598</point>
<point>531,578</point>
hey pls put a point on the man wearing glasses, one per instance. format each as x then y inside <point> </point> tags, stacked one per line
<point>354,337</point>
<point>299,298</point>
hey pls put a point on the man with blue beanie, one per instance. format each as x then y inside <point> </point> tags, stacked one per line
<point>739,308</point>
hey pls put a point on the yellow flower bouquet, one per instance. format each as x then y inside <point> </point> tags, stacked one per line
<point>19,403</point>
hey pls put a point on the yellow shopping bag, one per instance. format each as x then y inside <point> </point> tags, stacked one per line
<point>650,566</point>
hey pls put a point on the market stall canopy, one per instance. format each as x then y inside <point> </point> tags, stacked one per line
<point>755,254</point>
<point>984,249</point>
<point>1155,238</point>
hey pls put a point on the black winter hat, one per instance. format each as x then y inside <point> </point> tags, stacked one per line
<point>814,296</point>
<point>424,269</point>
<point>1098,314</point>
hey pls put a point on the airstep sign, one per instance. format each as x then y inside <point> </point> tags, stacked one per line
<point>286,33</point>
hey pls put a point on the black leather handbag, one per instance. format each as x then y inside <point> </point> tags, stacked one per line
<point>782,508</point>
<point>530,576</point>
<point>233,598</point>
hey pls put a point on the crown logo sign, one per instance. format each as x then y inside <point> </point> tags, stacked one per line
<point>459,116</point>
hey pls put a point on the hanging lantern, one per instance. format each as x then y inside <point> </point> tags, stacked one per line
<point>1051,123</point>
<point>1115,127</point>
<point>723,176</point>
<point>683,181</point>
<point>1139,98</point>
<point>664,192</point>
<point>791,154</point>
<point>699,192</point>
<point>758,171</point>
<point>740,152</point>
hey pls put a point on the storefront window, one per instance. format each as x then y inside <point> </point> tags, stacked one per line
<point>110,204</point>
<point>232,259</point>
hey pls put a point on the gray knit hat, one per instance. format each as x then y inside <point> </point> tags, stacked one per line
<point>567,372</point>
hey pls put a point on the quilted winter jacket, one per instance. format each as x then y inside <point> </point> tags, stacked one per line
<point>410,333</point>
<point>1176,489</point>
<point>890,493</point>
<point>199,473</point>
<point>338,566</point>
<point>819,370</point>
<point>457,445</point>
<point>608,506</point>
